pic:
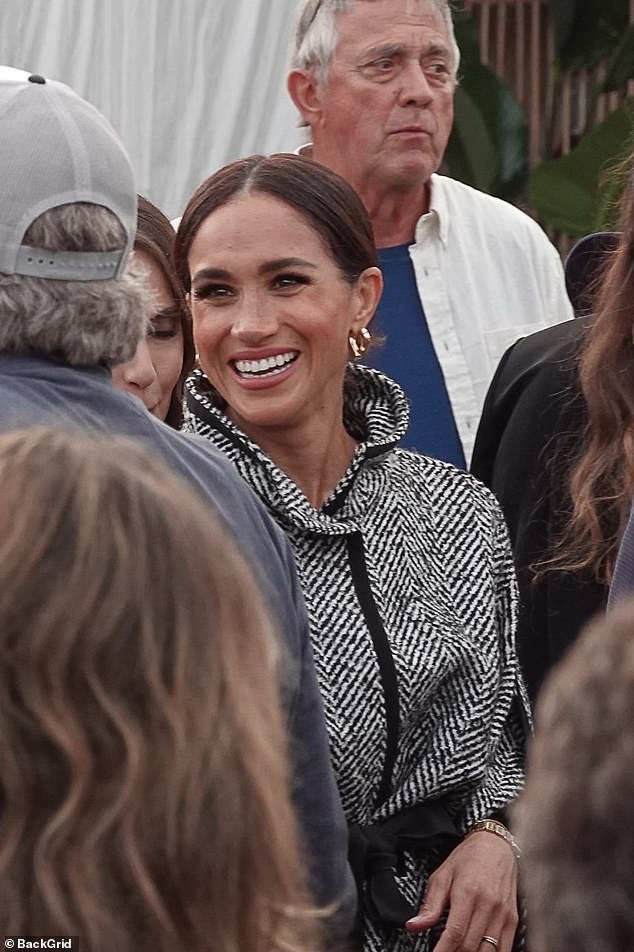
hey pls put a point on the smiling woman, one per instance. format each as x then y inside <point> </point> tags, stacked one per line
<point>271,329</point>
<point>404,561</point>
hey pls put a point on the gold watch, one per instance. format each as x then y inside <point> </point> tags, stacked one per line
<point>498,829</point>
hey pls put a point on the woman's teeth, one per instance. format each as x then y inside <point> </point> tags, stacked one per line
<point>267,365</point>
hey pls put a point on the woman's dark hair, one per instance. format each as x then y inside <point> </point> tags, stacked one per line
<point>327,203</point>
<point>155,236</point>
<point>145,802</point>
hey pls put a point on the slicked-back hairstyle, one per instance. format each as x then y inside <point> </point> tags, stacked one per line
<point>328,204</point>
<point>155,236</point>
<point>83,323</point>
<point>575,816</point>
<point>315,34</point>
<point>144,790</point>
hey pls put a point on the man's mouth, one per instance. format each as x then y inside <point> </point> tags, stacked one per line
<point>265,366</point>
<point>411,130</point>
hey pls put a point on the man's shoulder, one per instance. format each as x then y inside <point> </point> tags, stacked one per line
<point>215,477</point>
<point>462,199</point>
<point>38,392</point>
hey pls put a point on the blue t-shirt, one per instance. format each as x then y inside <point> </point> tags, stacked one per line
<point>408,356</point>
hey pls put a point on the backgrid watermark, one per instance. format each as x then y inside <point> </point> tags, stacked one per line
<point>43,942</point>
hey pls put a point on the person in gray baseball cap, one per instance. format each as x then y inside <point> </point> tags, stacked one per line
<point>69,311</point>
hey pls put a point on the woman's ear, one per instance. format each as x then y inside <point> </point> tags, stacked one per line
<point>368,289</point>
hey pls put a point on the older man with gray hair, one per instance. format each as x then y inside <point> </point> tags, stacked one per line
<point>69,311</point>
<point>465,273</point>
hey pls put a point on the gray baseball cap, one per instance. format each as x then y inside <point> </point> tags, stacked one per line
<point>55,149</point>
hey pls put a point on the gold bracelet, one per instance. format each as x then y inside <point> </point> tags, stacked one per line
<point>498,829</point>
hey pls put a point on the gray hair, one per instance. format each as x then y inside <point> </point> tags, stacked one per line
<point>315,35</point>
<point>84,323</point>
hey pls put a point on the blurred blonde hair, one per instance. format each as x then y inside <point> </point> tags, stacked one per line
<point>143,779</point>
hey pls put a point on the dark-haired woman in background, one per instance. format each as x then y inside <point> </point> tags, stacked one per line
<point>404,560</point>
<point>157,372</point>
<point>143,775</point>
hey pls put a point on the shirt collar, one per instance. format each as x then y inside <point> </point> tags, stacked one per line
<point>306,150</point>
<point>438,211</point>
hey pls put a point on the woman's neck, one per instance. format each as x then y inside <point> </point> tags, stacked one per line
<point>314,455</point>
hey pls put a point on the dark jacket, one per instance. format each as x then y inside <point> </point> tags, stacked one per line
<point>532,427</point>
<point>36,391</point>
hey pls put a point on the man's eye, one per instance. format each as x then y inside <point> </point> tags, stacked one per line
<point>440,70</point>
<point>380,67</point>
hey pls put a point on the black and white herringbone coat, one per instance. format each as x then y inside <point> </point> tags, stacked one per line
<point>412,553</point>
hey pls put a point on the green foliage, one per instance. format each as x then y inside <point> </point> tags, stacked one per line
<point>587,31</point>
<point>621,65</point>
<point>488,147</point>
<point>578,193</point>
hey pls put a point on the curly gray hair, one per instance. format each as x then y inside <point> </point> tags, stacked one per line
<point>315,35</point>
<point>84,323</point>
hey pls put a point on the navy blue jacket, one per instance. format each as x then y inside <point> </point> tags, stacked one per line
<point>35,391</point>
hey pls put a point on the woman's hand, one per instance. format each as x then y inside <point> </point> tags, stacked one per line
<point>478,884</point>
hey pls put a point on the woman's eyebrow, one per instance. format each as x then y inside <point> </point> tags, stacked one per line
<point>278,263</point>
<point>219,273</point>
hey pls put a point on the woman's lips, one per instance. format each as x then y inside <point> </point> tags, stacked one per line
<point>259,372</point>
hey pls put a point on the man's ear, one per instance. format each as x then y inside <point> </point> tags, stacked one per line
<point>304,90</point>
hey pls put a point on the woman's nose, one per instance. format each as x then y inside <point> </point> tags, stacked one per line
<point>139,372</point>
<point>257,320</point>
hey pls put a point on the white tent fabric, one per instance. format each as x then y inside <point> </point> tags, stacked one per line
<point>188,84</point>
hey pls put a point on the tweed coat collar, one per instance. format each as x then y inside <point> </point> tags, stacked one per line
<point>375,413</point>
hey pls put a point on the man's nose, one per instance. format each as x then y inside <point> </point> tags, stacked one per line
<point>139,372</point>
<point>415,88</point>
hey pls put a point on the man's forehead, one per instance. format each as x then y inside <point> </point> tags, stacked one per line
<point>395,7</point>
<point>370,22</point>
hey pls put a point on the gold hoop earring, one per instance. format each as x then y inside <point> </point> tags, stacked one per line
<point>360,342</point>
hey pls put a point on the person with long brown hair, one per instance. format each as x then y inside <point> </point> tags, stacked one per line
<point>164,357</point>
<point>143,774</point>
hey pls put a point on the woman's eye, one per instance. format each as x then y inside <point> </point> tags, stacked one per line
<point>211,292</point>
<point>164,326</point>
<point>283,281</point>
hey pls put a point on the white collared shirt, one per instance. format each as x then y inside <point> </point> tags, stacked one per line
<point>487,275</point>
